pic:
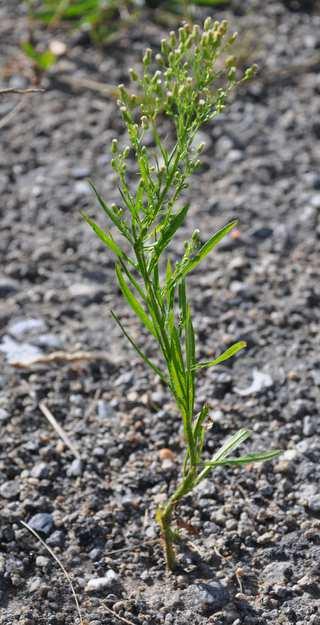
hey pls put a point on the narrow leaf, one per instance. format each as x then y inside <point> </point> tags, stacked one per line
<point>118,222</point>
<point>107,240</point>
<point>248,459</point>
<point>200,419</point>
<point>231,351</point>
<point>190,359</point>
<point>230,445</point>
<point>189,265</point>
<point>133,302</point>
<point>139,351</point>
<point>167,233</point>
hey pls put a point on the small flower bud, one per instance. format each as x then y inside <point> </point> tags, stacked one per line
<point>159,59</point>
<point>233,38</point>
<point>202,102</point>
<point>144,122</point>
<point>196,30</point>
<point>165,49</point>
<point>201,147</point>
<point>122,91</point>
<point>114,146</point>
<point>182,35</point>
<point>126,152</point>
<point>125,114</point>
<point>250,72</point>
<point>147,57</point>
<point>230,61</point>
<point>223,27</point>
<point>205,40</point>
<point>207,24</point>
<point>232,74</point>
<point>172,39</point>
<point>133,74</point>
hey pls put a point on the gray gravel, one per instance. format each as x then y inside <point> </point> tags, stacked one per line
<point>256,559</point>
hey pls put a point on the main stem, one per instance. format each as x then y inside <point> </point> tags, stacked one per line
<point>164,518</point>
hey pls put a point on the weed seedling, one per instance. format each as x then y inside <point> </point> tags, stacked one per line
<point>191,85</point>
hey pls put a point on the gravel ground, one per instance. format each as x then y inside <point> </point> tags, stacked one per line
<point>257,557</point>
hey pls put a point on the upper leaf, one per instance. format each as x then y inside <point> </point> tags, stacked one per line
<point>183,268</point>
<point>228,353</point>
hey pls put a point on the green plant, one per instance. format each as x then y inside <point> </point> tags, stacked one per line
<point>103,17</point>
<point>191,87</point>
<point>42,60</point>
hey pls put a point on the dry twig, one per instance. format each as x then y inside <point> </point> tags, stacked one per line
<point>66,574</point>
<point>13,90</point>
<point>61,356</point>
<point>60,431</point>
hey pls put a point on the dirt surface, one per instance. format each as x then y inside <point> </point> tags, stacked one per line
<point>256,560</point>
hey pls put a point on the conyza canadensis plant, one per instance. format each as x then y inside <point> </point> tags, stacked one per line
<point>189,82</point>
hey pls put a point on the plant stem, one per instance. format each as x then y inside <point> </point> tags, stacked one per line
<point>164,518</point>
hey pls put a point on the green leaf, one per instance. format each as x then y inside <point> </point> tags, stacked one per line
<point>200,419</point>
<point>167,233</point>
<point>210,3</point>
<point>139,351</point>
<point>44,60</point>
<point>248,459</point>
<point>118,222</point>
<point>199,430</point>
<point>133,281</point>
<point>107,240</point>
<point>231,351</point>
<point>230,445</point>
<point>182,301</point>
<point>190,360</point>
<point>133,302</point>
<point>185,268</point>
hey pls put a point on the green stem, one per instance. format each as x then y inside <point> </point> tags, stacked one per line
<point>164,519</point>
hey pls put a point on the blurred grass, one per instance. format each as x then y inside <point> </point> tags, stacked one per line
<point>101,18</point>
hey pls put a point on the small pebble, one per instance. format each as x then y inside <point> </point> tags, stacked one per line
<point>97,584</point>
<point>41,522</point>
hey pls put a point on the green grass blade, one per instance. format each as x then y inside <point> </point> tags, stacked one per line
<point>139,351</point>
<point>231,351</point>
<point>133,302</point>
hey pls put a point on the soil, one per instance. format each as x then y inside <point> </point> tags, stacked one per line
<point>255,554</point>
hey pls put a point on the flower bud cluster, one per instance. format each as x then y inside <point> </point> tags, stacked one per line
<point>194,75</point>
